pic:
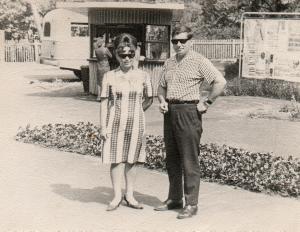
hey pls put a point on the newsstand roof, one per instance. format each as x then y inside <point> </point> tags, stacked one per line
<point>154,4</point>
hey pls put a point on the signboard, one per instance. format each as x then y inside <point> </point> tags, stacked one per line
<point>271,49</point>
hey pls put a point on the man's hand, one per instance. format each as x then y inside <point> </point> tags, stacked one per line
<point>163,107</point>
<point>202,107</point>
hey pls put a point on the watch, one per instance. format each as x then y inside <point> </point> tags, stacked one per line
<point>208,102</point>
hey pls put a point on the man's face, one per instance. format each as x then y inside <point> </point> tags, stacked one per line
<point>181,43</point>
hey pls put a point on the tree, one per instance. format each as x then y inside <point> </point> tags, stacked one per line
<point>15,18</point>
<point>220,19</point>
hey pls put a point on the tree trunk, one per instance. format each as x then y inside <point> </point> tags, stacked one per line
<point>36,17</point>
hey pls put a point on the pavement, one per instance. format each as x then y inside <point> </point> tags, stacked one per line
<point>49,190</point>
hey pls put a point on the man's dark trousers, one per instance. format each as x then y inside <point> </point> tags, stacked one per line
<point>182,132</point>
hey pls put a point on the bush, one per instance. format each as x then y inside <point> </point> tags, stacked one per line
<point>261,172</point>
<point>231,70</point>
<point>272,88</point>
<point>293,109</point>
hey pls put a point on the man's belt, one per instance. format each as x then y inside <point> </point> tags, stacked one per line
<point>173,101</point>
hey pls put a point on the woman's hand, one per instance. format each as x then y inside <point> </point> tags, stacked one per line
<point>103,133</point>
<point>163,107</point>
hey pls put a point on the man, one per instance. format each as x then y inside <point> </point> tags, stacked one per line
<point>181,103</point>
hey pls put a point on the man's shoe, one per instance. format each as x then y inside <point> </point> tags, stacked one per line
<point>169,205</point>
<point>188,211</point>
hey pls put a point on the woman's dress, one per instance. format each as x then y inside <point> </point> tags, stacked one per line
<point>125,117</point>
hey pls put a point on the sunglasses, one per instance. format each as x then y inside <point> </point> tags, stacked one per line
<point>182,41</point>
<point>124,55</point>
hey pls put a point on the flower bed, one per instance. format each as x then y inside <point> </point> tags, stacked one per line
<point>261,172</point>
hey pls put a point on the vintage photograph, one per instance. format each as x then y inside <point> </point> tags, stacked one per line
<point>150,116</point>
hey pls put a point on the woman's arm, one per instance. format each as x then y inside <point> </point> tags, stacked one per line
<point>103,113</point>
<point>108,53</point>
<point>147,92</point>
<point>147,102</point>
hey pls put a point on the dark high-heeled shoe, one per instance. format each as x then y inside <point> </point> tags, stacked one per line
<point>111,207</point>
<point>134,206</point>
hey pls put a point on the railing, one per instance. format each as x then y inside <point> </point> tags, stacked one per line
<point>218,49</point>
<point>21,51</point>
<point>212,49</point>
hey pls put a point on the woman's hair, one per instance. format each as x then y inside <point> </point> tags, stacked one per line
<point>99,42</point>
<point>125,40</point>
<point>182,29</point>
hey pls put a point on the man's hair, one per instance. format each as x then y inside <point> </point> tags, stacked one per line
<point>181,29</point>
<point>125,40</point>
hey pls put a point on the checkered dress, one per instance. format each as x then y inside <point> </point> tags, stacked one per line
<point>183,79</point>
<point>125,118</point>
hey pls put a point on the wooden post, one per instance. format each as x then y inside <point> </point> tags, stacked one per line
<point>2,46</point>
<point>233,48</point>
<point>36,51</point>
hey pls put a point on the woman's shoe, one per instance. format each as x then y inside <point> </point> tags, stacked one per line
<point>134,206</point>
<point>111,207</point>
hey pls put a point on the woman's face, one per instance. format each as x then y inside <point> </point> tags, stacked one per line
<point>125,57</point>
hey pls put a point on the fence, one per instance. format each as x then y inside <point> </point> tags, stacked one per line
<point>218,49</point>
<point>21,51</point>
<point>212,49</point>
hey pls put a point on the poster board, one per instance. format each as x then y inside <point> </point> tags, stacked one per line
<point>271,48</point>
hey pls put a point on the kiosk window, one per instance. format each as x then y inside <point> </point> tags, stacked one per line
<point>157,42</point>
<point>47,29</point>
<point>79,30</point>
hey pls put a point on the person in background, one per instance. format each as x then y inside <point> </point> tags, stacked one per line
<point>182,105</point>
<point>126,94</point>
<point>103,55</point>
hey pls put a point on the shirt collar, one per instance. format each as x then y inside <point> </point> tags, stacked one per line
<point>188,56</point>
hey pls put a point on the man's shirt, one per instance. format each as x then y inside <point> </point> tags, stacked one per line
<point>183,79</point>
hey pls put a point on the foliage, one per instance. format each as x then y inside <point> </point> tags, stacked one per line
<point>253,171</point>
<point>45,6</point>
<point>220,19</point>
<point>82,138</point>
<point>272,88</point>
<point>15,17</point>
<point>293,108</point>
<point>231,70</point>
<point>267,5</point>
<point>261,172</point>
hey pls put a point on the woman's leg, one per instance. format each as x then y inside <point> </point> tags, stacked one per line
<point>116,173</point>
<point>130,176</point>
<point>98,92</point>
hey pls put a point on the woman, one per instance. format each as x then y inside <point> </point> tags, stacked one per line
<point>102,54</point>
<point>126,94</point>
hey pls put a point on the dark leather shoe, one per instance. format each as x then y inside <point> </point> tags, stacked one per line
<point>169,205</point>
<point>188,211</point>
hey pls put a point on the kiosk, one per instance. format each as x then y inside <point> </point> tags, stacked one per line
<point>150,22</point>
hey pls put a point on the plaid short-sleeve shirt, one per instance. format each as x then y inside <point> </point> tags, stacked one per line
<point>183,79</point>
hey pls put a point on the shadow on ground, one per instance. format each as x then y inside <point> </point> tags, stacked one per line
<point>75,92</point>
<point>49,77</point>
<point>101,195</point>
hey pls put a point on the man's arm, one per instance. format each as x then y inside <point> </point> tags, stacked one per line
<point>218,86</point>
<point>161,95</point>
<point>147,103</point>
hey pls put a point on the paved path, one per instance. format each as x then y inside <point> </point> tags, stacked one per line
<point>49,190</point>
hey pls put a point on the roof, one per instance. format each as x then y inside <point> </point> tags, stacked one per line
<point>64,14</point>
<point>120,5</point>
